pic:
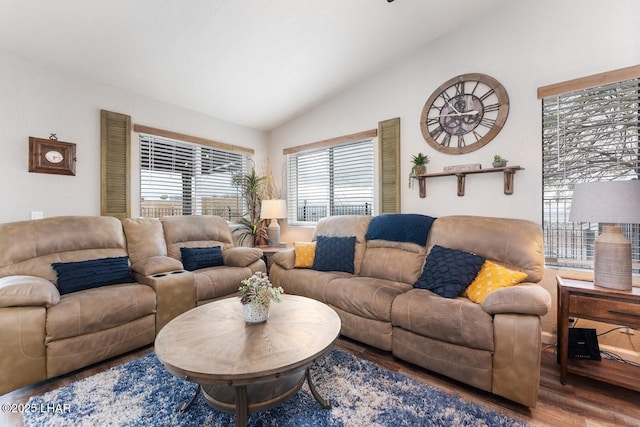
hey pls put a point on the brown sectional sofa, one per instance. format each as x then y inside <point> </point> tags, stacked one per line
<point>45,334</point>
<point>494,346</point>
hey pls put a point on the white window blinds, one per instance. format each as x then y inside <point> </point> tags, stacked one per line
<point>334,180</point>
<point>182,178</point>
<point>588,135</point>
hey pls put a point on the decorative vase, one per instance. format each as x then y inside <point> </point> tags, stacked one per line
<point>255,313</point>
<point>499,164</point>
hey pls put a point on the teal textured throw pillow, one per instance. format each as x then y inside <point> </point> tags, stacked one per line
<point>334,254</point>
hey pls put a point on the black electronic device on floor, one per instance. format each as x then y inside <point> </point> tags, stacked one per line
<point>583,344</point>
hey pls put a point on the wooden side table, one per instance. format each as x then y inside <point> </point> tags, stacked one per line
<point>268,252</point>
<point>582,299</point>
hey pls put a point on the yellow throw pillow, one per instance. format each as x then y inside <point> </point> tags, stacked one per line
<point>305,253</point>
<point>490,278</point>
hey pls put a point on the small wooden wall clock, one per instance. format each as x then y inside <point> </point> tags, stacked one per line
<point>52,156</point>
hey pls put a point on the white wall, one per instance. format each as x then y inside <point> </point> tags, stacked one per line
<point>524,45</point>
<point>36,100</point>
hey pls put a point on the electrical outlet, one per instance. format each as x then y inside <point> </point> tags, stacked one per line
<point>627,331</point>
<point>37,214</point>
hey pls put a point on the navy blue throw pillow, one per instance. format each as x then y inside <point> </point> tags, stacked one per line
<point>334,254</point>
<point>448,272</point>
<point>412,228</point>
<point>196,258</point>
<point>93,273</point>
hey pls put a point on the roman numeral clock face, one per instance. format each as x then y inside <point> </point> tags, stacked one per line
<point>464,113</point>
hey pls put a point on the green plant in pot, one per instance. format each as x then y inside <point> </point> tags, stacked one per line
<point>256,294</point>
<point>499,162</point>
<point>252,188</point>
<point>419,166</point>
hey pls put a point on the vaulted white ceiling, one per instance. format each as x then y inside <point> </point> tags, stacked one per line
<point>256,63</point>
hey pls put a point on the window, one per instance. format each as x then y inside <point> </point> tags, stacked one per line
<point>588,135</point>
<point>183,178</point>
<point>330,180</point>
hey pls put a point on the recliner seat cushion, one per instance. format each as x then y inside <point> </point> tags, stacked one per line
<point>364,296</point>
<point>457,321</point>
<point>97,309</point>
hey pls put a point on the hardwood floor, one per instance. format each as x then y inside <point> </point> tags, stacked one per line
<point>581,402</point>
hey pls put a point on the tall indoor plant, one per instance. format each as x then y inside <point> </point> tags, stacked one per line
<point>252,188</point>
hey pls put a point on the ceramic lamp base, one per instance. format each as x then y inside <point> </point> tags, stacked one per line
<point>273,231</point>
<point>612,260</point>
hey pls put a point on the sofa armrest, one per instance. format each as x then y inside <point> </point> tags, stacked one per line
<point>285,258</point>
<point>175,293</point>
<point>22,291</point>
<point>241,256</point>
<point>156,265</point>
<point>525,298</point>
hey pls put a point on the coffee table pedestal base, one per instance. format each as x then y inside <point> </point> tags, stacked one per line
<point>247,399</point>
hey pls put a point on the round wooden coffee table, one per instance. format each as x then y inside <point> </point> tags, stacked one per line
<point>246,368</point>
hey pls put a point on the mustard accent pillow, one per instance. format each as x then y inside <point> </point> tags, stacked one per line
<point>305,254</point>
<point>490,278</point>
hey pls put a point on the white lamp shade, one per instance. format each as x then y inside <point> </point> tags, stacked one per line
<point>613,202</point>
<point>273,209</point>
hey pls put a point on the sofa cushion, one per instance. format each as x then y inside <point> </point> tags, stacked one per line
<point>396,261</point>
<point>366,297</point>
<point>196,258</point>
<point>334,254</point>
<point>413,228</point>
<point>455,320</point>
<point>195,231</point>
<point>304,281</point>
<point>93,273</point>
<point>514,243</point>
<point>98,309</point>
<point>490,278</point>
<point>305,254</point>
<point>448,272</point>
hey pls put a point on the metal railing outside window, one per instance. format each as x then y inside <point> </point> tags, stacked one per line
<point>183,178</point>
<point>588,135</point>
<point>334,180</point>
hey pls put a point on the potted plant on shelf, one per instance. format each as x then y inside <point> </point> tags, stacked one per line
<point>256,293</point>
<point>419,167</point>
<point>499,162</point>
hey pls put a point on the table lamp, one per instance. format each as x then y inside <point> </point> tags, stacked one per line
<point>612,202</point>
<point>273,209</point>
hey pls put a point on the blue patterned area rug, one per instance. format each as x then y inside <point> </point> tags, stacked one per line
<point>143,393</point>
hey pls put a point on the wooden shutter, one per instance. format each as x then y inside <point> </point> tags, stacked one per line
<point>389,143</point>
<point>115,164</point>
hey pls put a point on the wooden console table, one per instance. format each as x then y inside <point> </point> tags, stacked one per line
<point>509,172</point>
<point>582,299</point>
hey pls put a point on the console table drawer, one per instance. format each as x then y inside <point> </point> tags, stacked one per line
<point>624,312</point>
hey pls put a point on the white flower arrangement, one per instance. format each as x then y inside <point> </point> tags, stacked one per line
<point>259,289</point>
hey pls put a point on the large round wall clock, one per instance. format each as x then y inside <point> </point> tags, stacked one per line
<point>464,113</point>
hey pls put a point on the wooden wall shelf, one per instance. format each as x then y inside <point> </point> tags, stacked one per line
<point>509,172</point>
